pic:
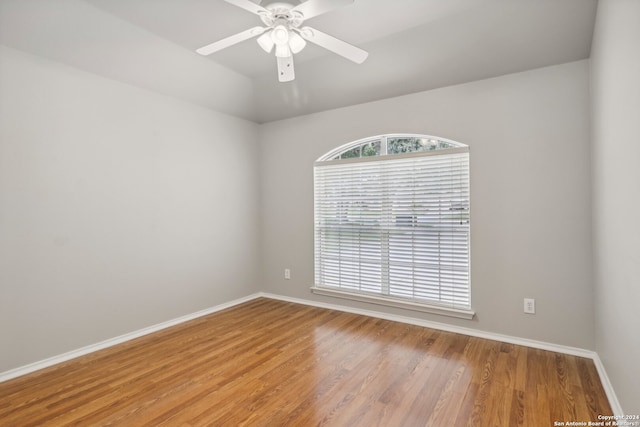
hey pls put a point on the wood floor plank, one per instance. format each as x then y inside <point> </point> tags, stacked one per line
<point>274,363</point>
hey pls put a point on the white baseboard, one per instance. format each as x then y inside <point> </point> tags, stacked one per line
<point>27,369</point>
<point>604,379</point>
<point>589,354</point>
<point>608,388</point>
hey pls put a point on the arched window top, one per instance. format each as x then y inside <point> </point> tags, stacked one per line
<point>388,145</point>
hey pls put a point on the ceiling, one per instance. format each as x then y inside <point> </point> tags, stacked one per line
<point>413,45</point>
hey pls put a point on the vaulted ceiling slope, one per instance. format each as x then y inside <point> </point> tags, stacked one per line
<point>413,45</point>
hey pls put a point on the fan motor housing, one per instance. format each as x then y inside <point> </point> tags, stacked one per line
<point>281,11</point>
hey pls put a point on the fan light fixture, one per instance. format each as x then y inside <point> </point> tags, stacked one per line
<point>286,41</point>
<point>283,51</point>
<point>296,43</point>
<point>265,42</point>
<point>280,35</point>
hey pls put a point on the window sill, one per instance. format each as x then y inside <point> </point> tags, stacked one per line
<point>425,308</point>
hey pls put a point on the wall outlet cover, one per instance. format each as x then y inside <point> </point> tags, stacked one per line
<point>530,306</point>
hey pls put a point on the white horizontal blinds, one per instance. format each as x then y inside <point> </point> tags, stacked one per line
<point>348,232</point>
<point>429,232</point>
<point>395,226</point>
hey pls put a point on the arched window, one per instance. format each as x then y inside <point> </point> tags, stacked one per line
<point>392,223</point>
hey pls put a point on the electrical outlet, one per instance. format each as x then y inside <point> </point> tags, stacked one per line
<point>287,273</point>
<point>530,306</point>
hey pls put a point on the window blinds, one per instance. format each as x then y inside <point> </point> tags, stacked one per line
<point>396,226</point>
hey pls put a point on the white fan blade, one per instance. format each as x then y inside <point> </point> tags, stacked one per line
<point>285,69</point>
<point>311,8</point>
<point>230,41</point>
<point>250,6</point>
<point>333,44</point>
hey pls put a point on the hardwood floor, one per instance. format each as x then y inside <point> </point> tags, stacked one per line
<point>272,363</point>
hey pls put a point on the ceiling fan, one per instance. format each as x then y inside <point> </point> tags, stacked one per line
<point>283,30</point>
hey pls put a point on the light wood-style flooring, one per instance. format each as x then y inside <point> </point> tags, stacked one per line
<point>273,363</point>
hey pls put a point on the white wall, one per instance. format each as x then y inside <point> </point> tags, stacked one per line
<point>530,203</point>
<point>119,208</point>
<point>615,87</point>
